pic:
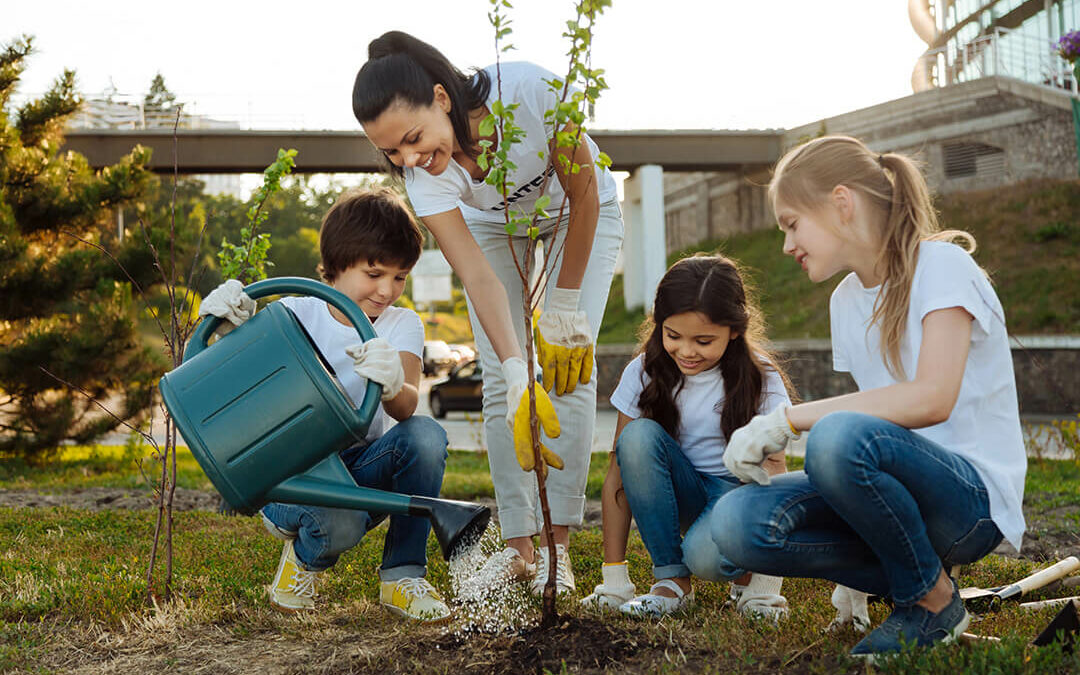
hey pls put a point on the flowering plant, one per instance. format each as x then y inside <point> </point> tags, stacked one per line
<point>1069,46</point>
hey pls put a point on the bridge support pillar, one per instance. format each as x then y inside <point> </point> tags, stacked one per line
<point>644,246</point>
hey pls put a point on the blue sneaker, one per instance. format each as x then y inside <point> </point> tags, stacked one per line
<point>914,626</point>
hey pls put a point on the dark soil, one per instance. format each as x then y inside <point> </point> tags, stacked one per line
<point>583,645</point>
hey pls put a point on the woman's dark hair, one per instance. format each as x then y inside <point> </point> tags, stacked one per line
<point>400,66</point>
<point>713,286</point>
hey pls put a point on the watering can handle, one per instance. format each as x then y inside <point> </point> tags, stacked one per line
<point>299,285</point>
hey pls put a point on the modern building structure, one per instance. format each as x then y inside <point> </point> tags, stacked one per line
<point>970,39</point>
<point>991,105</point>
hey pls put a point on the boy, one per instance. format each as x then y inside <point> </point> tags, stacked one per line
<point>368,243</point>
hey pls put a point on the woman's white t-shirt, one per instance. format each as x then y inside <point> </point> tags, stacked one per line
<point>522,83</point>
<point>984,427</point>
<point>399,326</point>
<point>699,401</point>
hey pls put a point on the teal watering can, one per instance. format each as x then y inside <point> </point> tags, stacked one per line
<point>265,417</point>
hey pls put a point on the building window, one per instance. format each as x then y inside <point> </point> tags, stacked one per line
<point>963,160</point>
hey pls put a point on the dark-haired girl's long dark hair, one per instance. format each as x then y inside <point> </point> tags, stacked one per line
<point>400,66</point>
<point>713,286</point>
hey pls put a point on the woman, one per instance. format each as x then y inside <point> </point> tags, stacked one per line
<point>424,115</point>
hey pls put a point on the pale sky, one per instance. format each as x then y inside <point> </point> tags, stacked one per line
<point>710,64</point>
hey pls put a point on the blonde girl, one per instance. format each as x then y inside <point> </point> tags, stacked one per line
<point>923,467</point>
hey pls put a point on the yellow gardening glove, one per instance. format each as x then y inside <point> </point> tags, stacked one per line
<point>564,342</point>
<point>517,395</point>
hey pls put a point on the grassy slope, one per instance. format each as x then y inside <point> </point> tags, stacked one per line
<point>1028,240</point>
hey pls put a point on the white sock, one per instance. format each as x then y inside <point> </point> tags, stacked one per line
<point>615,575</point>
<point>763,584</point>
<point>762,597</point>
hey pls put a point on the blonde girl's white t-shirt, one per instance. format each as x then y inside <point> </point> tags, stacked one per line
<point>522,83</point>
<point>699,401</point>
<point>399,326</point>
<point>984,427</point>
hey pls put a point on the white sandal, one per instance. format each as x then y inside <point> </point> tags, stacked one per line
<point>653,605</point>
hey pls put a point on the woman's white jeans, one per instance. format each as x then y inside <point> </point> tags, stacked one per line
<point>515,490</point>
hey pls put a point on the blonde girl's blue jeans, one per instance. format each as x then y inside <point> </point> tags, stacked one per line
<point>878,508</point>
<point>515,490</point>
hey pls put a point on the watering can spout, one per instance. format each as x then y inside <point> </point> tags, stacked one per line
<point>457,525</point>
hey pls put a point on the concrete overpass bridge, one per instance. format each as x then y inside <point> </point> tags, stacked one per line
<point>646,154</point>
<point>204,151</point>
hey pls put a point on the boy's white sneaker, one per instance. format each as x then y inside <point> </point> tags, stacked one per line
<point>564,575</point>
<point>413,598</point>
<point>293,588</point>
<point>653,605</point>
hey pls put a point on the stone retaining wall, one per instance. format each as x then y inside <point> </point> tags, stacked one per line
<point>1047,372</point>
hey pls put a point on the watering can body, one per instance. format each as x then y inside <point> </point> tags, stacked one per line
<point>265,417</point>
<point>261,406</point>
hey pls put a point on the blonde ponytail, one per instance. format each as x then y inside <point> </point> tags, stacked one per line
<point>893,184</point>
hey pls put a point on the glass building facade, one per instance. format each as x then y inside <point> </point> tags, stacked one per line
<point>969,39</point>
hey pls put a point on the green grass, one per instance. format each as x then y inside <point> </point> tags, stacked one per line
<point>1028,240</point>
<point>467,474</point>
<point>65,570</point>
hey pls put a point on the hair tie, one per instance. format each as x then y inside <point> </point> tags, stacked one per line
<point>881,160</point>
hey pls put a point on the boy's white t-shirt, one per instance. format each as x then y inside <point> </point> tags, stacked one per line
<point>984,427</point>
<point>699,401</point>
<point>522,83</point>
<point>399,326</point>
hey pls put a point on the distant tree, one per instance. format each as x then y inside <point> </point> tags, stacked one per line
<point>159,97</point>
<point>66,309</point>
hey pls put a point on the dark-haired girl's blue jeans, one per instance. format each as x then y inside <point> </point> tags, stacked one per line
<point>665,492</point>
<point>878,508</point>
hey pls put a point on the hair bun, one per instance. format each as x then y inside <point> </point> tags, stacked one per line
<point>390,42</point>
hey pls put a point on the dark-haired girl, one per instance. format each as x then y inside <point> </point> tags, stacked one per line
<point>424,115</point>
<point>701,374</point>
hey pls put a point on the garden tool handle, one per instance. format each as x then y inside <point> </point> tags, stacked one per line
<point>1041,578</point>
<point>301,286</point>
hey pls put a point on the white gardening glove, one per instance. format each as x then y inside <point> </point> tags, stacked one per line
<point>228,301</point>
<point>516,376</point>
<point>748,446</point>
<point>379,362</point>
<point>564,342</point>
<point>851,608</point>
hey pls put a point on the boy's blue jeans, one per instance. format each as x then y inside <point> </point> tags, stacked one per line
<point>410,459</point>
<point>665,492</point>
<point>878,508</point>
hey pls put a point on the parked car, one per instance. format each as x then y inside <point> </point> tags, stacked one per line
<point>437,356</point>
<point>464,353</point>
<point>463,389</point>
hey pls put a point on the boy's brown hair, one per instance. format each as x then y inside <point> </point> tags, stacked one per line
<point>368,225</point>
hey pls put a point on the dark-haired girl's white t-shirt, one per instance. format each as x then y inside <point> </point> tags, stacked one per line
<point>984,426</point>
<point>699,401</point>
<point>522,83</point>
